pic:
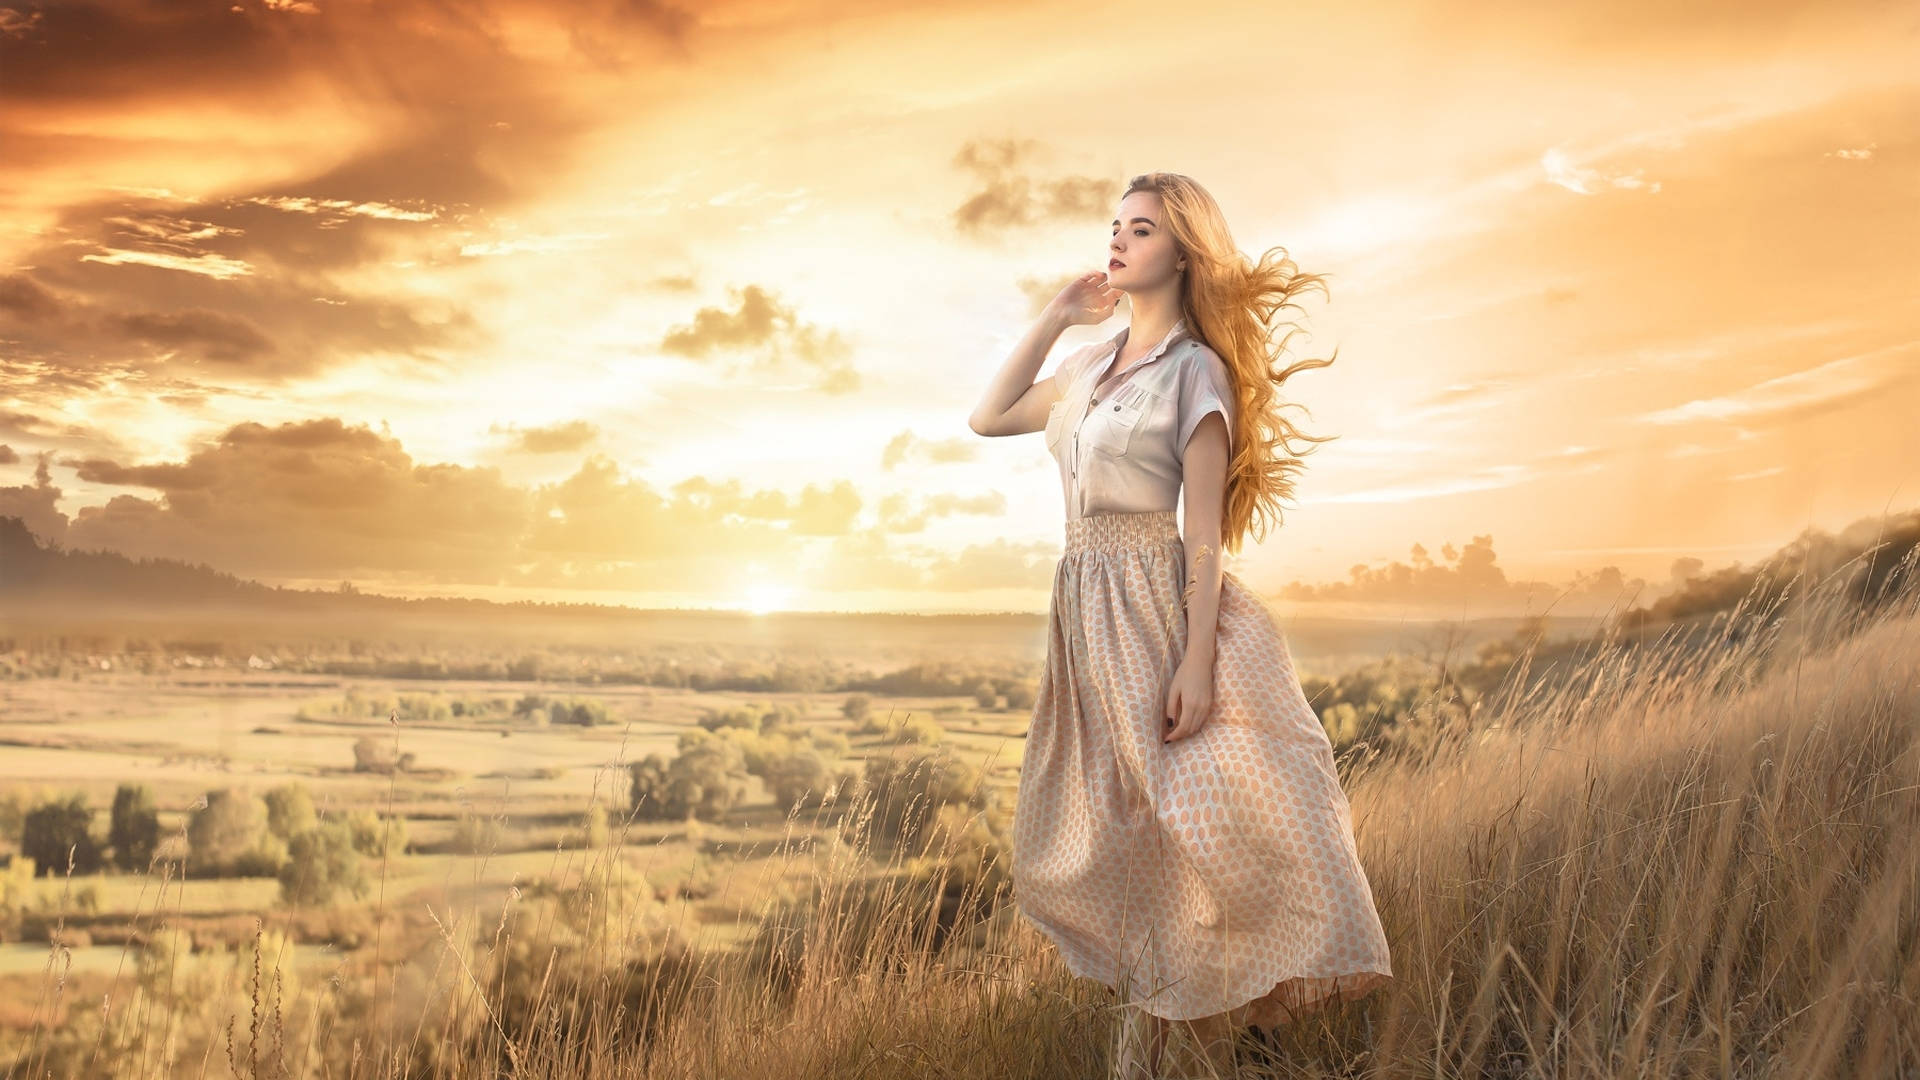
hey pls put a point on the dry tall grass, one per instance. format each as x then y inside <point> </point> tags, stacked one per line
<point>1691,856</point>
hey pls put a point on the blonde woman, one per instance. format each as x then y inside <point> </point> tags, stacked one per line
<point>1180,832</point>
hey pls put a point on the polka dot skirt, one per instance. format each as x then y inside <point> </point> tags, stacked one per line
<point>1214,874</point>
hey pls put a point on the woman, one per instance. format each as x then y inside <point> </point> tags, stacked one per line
<point>1180,832</point>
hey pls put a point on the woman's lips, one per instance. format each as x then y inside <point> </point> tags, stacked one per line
<point>1114,263</point>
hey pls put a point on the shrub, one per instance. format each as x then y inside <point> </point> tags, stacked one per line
<point>716,719</point>
<point>783,717</point>
<point>57,829</point>
<point>603,917</point>
<point>531,707</point>
<point>757,749</point>
<point>16,885</point>
<point>375,836</point>
<point>908,790</point>
<point>831,744</point>
<point>919,729</point>
<point>585,712</point>
<point>480,708</point>
<point>134,832</point>
<point>986,695</point>
<point>856,708</point>
<point>321,863</point>
<point>377,756</point>
<point>477,834</point>
<point>372,755</point>
<point>606,935</point>
<point>229,837</point>
<point>592,830</point>
<point>428,707</point>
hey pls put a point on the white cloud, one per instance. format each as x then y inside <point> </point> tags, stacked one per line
<point>1561,169</point>
<point>1833,379</point>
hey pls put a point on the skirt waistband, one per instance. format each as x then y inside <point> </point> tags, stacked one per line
<point>1122,532</point>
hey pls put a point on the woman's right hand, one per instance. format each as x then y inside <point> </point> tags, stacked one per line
<point>1087,299</point>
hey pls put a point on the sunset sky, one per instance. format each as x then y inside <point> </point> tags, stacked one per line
<point>686,304</point>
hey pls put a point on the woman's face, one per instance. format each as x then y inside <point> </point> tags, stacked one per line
<point>1141,255</point>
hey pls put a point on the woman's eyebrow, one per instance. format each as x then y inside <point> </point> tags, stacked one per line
<point>1148,220</point>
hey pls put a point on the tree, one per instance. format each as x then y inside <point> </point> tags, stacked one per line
<point>375,836</point>
<point>594,830</point>
<point>229,836</point>
<point>56,829</point>
<point>582,711</point>
<point>909,789</point>
<point>705,781</point>
<point>716,719</point>
<point>290,811</point>
<point>135,829</point>
<point>856,707</point>
<point>321,863</point>
<point>918,729</point>
<point>475,833</point>
<point>14,805</point>
<point>798,779</point>
<point>372,755</point>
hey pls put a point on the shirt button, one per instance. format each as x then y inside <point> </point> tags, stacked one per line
<point>1116,408</point>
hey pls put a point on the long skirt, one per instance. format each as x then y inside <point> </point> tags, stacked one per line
<point>1214,874</point>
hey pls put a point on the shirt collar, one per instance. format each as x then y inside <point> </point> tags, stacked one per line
<point>1174,333</point>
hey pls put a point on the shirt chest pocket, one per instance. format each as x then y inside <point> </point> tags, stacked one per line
<point>1114,425</point>
<point>1056,422</point>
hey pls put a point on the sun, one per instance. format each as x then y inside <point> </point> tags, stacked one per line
<point>765,596</point>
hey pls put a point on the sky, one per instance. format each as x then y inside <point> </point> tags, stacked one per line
<point>686,304</point>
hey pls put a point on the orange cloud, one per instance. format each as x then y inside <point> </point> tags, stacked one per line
<point>561,438</point>
<point>1011,196</point>
<point>772,335</point>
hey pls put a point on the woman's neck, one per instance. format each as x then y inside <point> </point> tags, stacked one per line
<point>1151,317</point>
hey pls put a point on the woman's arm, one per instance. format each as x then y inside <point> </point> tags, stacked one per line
<point>1204,484</point>
<point>1014,403</point>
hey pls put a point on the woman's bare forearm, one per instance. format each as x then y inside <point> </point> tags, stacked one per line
<point>1201,540</point>
<point>1015,376</point>
<point>1203,483</point>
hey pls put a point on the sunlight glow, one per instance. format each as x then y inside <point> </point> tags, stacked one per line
<point>765,596</point>
<point>1364,223</point>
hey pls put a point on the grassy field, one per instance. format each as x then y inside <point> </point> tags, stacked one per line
<point>1670,858</point>
<point>183,735</point>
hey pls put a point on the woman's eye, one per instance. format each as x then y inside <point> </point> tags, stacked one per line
<point>1139,232</point>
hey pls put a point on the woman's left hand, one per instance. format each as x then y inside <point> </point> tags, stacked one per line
<point>1190,700</point>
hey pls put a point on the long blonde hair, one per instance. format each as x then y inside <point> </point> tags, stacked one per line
<point>1230,302</point>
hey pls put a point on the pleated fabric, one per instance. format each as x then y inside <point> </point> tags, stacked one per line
<point>1215,874</point>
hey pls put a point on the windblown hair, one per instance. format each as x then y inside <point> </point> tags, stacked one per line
<point>1230,303</point>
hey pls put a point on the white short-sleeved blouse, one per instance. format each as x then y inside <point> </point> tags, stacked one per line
<point>1122,452</point>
